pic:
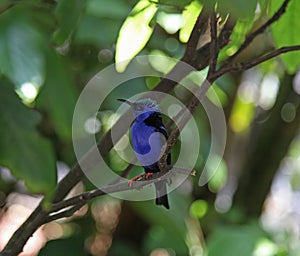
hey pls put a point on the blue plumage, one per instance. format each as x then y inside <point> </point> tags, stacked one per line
<point>148,138</point>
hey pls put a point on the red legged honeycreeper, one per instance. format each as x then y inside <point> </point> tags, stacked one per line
<point>148,137</point>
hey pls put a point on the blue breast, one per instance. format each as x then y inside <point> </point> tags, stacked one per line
<point>147,142</point>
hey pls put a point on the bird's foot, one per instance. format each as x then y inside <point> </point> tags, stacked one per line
<point>148,175</point>
<point>139,177</point>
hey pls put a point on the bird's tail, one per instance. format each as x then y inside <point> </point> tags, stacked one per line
<point>161,194</point>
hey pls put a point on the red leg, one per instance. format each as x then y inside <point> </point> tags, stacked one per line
<point>134,179</point>
<point>148,175</point>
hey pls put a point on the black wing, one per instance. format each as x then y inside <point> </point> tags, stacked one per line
<point>155,120</point>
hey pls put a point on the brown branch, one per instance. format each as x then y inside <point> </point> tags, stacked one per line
<point>260,30</point>
<point>198,95</point>
<point>64,214</point>
<point>78,201</point>
<point>223,40</point>
<point>199,29</point>
<point>186,116</point>
<point>213,45</point>
<point>235,67</point>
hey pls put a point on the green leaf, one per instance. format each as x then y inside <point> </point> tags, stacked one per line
<point>21,45</point>
<point>68,14</point>
<point>237,8</point>
<point>189,15</point>
<point>107,8</point>
<point>57,96</point>
<point>283,32</point>
<point>134,33</point>
<point>263,4</point>
<point>27,154</point>
<point>91,30</point>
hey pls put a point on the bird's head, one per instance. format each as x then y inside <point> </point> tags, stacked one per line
<point>142,106</point>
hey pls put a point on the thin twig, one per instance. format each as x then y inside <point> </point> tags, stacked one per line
<point>242,66</point>
<point>213,45</point>
<point>78,201</point>
<point>64,214</point>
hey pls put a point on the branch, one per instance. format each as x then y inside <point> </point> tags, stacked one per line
<point>235,67</point>
<point>199,29</point>
<point>223,40</point>
<point>198,95</point>
<point>260,30</point>
<point>213,45</point>
<point>78,201</point>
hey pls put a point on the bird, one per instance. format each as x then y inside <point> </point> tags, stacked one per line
<point>148,135</point>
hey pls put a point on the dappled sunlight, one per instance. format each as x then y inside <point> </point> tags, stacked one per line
<point>268,91</point>
<point>28,92</point>
<point>18,208</point>
<point>170,22</point>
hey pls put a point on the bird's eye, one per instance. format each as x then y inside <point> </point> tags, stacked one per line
<point>139,108</point>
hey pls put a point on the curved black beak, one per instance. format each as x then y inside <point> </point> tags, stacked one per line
<point>126,101</point>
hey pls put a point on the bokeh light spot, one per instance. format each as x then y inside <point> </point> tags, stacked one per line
<point>288,112</point>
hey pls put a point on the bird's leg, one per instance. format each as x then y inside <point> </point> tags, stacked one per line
<point>148,175</point>
<point>139,177</point>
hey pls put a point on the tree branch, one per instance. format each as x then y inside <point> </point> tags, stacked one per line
<point>241,66</point>
<point>214,50</point>
<point>78,201</point>
<point>199,29</point>
<point>198,95</point>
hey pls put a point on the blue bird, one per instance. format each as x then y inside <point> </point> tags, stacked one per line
<point>148,137</point>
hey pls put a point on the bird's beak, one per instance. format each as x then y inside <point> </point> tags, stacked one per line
<point>126,101</point>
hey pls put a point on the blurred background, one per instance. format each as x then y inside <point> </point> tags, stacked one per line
<point>50,49</point>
